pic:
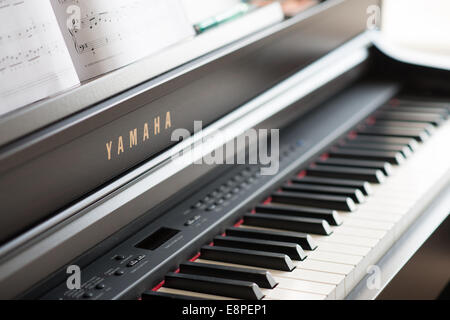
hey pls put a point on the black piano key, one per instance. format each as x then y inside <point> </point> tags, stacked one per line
<point>443,112</point>
<point>303,239</point>
<point>262,278</point>
<point>315,200</point>
<point>434,119</point>
<point>355,194</point>
<point>216,286</point>
<point>331,216</point>
<point>364,186</point>
<point>254,258</point>
<point>409,142</point>
<point>384,166</point>
<point>428,127</point>
<point>423,104</point>
<point>392,157</point>
<point>293,250</point>
<point>417,134</point>
<point>306,225</point>
<point>404,150</point>
<point>164,296</point>
<point>370,175</point>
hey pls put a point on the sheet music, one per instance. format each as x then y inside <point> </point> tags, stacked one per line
<point>104,35</point>
<point>34,61</point>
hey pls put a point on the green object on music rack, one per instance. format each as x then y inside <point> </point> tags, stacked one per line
<point>228,15</point>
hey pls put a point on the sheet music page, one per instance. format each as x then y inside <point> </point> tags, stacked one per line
<point>34,61</point>
<point>104,35</point>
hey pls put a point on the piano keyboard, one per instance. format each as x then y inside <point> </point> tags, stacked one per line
<point>316,236</point>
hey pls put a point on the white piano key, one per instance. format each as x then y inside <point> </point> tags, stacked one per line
<point>344,248</point>
<point>327,290</point>
<point>318,276</point>
<point>193,294</point>
<point>378,206</point>
<point>361,232</point>
<point>360,262</point>
<point>394,220</point>
<point>283,294</point>
<point>335,257</point>
<point>378,216</point>
<point>347,239</point>
<point>364,223</point>
<point>324,266</point>
<point>332,268</point>
<point>335,280</point>
<point>373,206</point>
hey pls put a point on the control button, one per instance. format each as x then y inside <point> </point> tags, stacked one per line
<point>247,173</point>
<point>119,273</point>
<point>88,295</point>
<point>140,257</point>
<point>119,257</point>
<point>132,263</point>
<point>219,202</point>
<point>215,194</point>
<point>192,221</point>
<point>197,205</point>
<point>211,207</point>
<point>228,196</point>
<point>100,286</point>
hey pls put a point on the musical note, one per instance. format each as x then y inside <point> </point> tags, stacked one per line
<point>25,32</point>
<point>22,58</point>
<point>108,34</point>
<point>34,60</point>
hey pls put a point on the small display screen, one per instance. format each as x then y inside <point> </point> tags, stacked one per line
<point>157,239</point>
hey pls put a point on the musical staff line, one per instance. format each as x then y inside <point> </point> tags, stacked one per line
<point>34,60</point>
